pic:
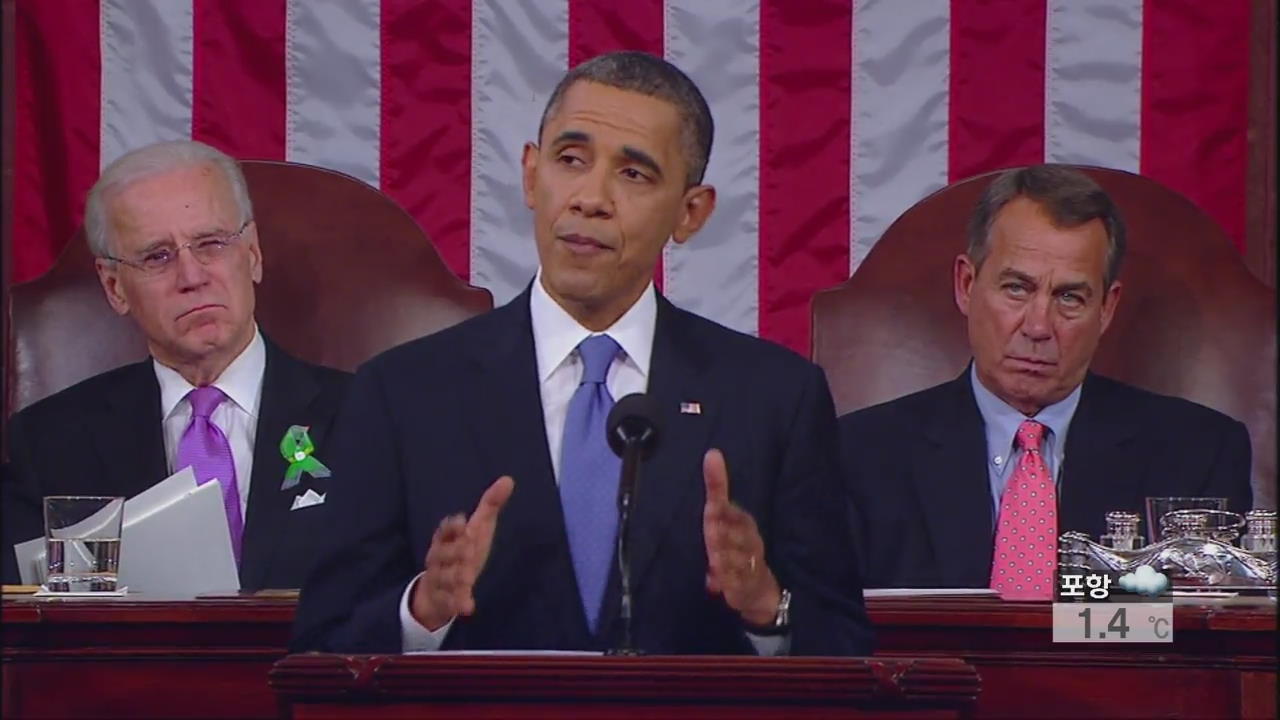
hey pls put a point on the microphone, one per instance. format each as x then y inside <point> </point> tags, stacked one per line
<point>633,432</point>
<point>634,418</point>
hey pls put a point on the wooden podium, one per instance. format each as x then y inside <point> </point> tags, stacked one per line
<point>475,686</point>
<point>210,658</point>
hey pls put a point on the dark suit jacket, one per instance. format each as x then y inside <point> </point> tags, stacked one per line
<point>104,436</point>
<point>431,424</point>
<point>921,493</point>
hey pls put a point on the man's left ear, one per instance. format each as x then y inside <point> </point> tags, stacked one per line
<point>255,252</point>
<point>1109,303</point>
<point>699,202</point>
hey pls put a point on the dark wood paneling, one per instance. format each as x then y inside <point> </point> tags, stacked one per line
<point>211,659</point>
<point>1221,663</point>
<point>523,686</point>
<point>1260,202</point>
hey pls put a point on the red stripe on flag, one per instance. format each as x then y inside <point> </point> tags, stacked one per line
<point>805,56</point>
<point>1195,112</point>
<point>238,81</point>
<point>426,120</point>
<point>997,86</point>
<point>56,127</point>
<point>597,27</point>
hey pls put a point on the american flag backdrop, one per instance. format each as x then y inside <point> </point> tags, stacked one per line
<point>832,116</point>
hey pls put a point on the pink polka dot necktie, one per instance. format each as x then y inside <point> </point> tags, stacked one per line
<point>1026,550</point>
<point>205,448</point>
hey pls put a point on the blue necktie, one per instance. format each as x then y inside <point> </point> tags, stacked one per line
<point>589,476</point>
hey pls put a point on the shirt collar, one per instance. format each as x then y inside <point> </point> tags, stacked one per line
<point>240,381</point>
<point>556,333</point>
<point>1002,420</point>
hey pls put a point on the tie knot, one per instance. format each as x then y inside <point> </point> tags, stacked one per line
<point>204,400</point>
<point>597,354</point>
<point>1030,433</point>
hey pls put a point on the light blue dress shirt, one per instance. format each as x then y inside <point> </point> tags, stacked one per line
<point>1001,422</point>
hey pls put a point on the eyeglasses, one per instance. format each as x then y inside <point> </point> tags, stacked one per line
<point>207,250</point>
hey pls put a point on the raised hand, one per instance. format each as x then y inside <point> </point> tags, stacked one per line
<point>736,567</point>
<point>457,554</point>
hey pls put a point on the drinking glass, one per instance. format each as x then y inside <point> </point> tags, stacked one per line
<point>82,542</point>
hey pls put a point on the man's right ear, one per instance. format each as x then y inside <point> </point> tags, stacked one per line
<point>529,171</point>
<point>109,276</point>
<point>964,273</point>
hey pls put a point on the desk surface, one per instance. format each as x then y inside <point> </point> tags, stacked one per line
<point>181,654</point>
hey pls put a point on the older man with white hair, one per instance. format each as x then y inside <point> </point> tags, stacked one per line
<point>171,227</point>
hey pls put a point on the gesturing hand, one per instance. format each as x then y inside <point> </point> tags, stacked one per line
<point>457,554</point>
<point>736,566</point>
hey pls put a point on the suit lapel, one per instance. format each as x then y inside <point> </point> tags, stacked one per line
<point>507,418</point>
<point>287,392</point>
<point>673,476</point>
<point>129,435</point>
<point>1098,472</point>
<point>953,487</point>
<point>507,423</point>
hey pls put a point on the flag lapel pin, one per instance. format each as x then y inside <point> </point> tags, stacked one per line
<point>690,408</point>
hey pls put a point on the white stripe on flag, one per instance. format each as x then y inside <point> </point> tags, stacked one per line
<point>519,51</point>
<point>333,68</point>
<point>716,274</point>
<point>1093,82</point>
<point>898,153</point>
<point>146,74</point>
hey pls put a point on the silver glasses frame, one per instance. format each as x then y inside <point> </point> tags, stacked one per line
<point>223,242</point>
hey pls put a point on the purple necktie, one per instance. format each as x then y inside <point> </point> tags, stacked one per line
<point>205,448</point>
<point>589,476</point>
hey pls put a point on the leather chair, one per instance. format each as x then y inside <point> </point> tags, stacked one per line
<point>347,273</point>
<point>1192,321</point>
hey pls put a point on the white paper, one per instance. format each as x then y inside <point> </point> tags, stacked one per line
<point>175,541</point>
<point>926,592</point>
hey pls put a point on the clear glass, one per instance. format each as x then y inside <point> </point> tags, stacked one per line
<point>1260,535</point>
<point>1157,507</point>
<point>1122,531</point>
<point>82,542</point>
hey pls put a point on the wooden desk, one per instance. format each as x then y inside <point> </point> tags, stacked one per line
<point>1221,663</point>
<point>134,659</point>
<point>211,659</point>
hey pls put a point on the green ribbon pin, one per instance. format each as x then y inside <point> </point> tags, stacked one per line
<point>296,447</point>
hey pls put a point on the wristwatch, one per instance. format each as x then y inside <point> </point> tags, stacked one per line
<point>781,624</point>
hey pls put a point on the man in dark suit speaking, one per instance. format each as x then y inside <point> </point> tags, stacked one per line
<point>171,228</point>
<point>739,549</point>
<point>969,483</point>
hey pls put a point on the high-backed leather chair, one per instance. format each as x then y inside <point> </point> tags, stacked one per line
<point>1192,321</point>
<point>347,273</point>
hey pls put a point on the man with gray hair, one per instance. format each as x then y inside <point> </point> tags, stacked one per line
<point>176,249</point>
<point>969,483</point>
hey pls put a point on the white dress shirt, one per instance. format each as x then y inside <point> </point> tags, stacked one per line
<point>237,416</point>
<point>556,335</point>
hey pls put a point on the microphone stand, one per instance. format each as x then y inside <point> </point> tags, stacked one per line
<point>626,497</point>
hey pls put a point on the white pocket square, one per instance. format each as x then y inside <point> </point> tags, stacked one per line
<point>307,499</point>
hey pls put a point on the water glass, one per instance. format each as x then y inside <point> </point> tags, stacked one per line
<point>82,542</point>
